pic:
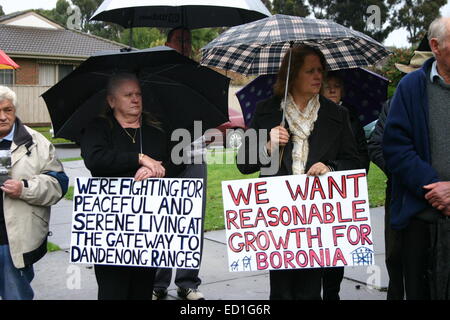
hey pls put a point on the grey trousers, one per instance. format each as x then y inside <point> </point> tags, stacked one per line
<point>186,278</point>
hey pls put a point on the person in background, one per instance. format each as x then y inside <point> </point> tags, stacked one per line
<point>32,180</point>
<point>125,141</point>
<point>396,288</point>
<point>333,89</point>
<point>415,148</point>
<point>318,140</point>
<point>180,40</point>
<point>186,280</point>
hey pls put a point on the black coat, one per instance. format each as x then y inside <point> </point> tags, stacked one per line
<point>331,141</point>
<point>376,139</point>
<point>360,137</point>
<point>109,152</point>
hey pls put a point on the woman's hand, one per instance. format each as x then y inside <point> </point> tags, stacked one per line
<point>318,169</point>
<point>151,168</point>
<point>279,137</point>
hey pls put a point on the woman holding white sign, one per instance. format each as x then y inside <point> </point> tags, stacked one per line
<point>125,142</point>
<point>314,138</point>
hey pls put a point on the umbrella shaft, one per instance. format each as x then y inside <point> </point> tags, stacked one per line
<point>286,89</point>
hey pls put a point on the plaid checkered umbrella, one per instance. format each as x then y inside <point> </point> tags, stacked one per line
<point>258,47</point>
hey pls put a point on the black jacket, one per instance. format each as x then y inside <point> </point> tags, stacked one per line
<point>360,137</point>
<point>109,152</point>
<point>331,141</point>
<point>376,139</point>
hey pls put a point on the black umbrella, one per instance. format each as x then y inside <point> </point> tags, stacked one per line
<point>191,14</point>
<point>169,82</point>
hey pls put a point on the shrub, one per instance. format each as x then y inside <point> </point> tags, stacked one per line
<point>389,70</point>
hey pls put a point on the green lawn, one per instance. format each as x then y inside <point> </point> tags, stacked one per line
<point>45,131</point>
<point>218,172</point>
<point>376,181</point>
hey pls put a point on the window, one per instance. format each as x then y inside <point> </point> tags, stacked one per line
<point>7,76</point>
<point>47,74</point>
<point>64,70</point>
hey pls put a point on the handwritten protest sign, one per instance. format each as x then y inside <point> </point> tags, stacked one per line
<point>297,221</point>
<point>151,223</point>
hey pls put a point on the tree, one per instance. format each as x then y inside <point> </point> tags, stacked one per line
<point>2,13</point>
<point>416,16</point>
<point>359,16</point>
<point>87,9</point>
<point>143,37</point>
<point>290,7</point>
<point>57,14</point>
<point>201,37</point>
<point>320,8</point>
<point>371,17</point>
<point>268,4</point>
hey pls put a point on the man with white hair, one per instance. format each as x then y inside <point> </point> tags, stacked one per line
<point>416,148</point>
<point>32,180</point>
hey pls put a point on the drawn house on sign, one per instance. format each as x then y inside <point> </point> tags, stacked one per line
<point>362,256</point>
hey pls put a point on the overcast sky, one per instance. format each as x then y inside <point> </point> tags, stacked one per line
<point>396,38</point>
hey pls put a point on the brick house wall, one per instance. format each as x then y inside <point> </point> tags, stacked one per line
<point>28,73</point>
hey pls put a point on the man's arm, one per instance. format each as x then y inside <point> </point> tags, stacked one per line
<point>49,184</point>
<point>399,149</point>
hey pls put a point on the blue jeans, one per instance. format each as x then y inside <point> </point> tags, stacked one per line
<point>14,283</point>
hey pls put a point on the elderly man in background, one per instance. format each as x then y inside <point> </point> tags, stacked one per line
<point>33,180</point>
<point>415,146</point>
<point>392,238</point>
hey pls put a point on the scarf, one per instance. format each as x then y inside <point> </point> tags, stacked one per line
<point>301,124</point>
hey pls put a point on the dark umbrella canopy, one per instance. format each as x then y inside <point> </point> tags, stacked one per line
<point>258,47</point>
<point>174,88</point>
<point>191,14</point>
<point>365,91</point>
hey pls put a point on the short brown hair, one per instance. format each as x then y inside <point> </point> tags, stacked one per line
<point>297,60</point>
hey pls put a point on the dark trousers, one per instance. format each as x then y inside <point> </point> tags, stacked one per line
<point>186,278</point>
<point>299,284</point>
<point>331,282</point>
<point>415,242</point>
<point>124,283</point>
<point>393,249</point>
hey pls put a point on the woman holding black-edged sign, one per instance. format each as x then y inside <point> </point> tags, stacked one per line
<point>126,142</point>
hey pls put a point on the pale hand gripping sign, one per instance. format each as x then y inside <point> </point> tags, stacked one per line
<point>150,223</point>
<point>298,221</point>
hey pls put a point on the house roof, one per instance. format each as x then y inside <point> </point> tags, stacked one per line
<point>29,18</point>
<point>13,15</point>
<point>60,43</point>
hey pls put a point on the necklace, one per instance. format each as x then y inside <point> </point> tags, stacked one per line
<point>132,137</point>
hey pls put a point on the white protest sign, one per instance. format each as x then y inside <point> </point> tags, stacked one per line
<point>150,223</point>
<point>292,222</point>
